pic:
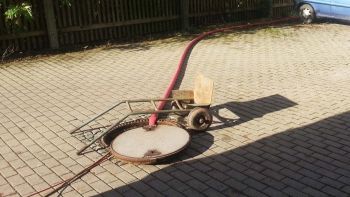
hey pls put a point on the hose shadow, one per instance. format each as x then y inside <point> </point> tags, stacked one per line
<point>234,113</point>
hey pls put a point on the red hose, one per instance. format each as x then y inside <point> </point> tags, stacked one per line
<point>153,118</point>
<point>70,180</point>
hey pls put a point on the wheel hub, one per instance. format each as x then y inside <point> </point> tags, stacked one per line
<point>307,13</point>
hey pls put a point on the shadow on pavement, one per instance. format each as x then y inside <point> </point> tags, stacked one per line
<point>245,111</point>
<point>249,110</point>
<point>312,160</point>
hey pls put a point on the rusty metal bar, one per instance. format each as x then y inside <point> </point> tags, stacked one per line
<point>160,111</point>
<point>155,111</point>
<point>96,128</point>
<point>101,135</point>
<point>94,118</point>
<point>128,104</point>
<point>121,120</point>
<point>178,104</point>
<point>148,100</point>
<point>114,106</point>
<point>154,105</point>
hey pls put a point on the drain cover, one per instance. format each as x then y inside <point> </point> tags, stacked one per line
<point>139,145</point>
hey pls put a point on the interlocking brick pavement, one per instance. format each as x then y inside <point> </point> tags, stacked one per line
<point>286,88</point>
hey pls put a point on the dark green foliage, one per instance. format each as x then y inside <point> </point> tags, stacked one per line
<point>17,15</point>
<point>19,12</point>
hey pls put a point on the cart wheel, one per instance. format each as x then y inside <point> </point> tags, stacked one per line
<point>200,119</point>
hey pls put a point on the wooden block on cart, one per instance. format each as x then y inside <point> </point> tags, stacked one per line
<point>182,94</point>
<point>203,90</point>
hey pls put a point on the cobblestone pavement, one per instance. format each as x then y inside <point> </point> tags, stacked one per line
<point>283,94</point>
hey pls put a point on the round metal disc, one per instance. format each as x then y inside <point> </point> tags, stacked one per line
<point>142,146</point>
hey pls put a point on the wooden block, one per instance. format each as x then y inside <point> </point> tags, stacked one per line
<point>182,94</point>
<point>203,90</point>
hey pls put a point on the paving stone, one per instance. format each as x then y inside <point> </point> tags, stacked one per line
<point>15,180</point>
<point>16,164</point>
<point>8,172</point>
<point>125,177</point>
<point>273,174</point>
<point>140,174</point>
<point>178,185</point>
<point>152,193</point>
<point>24,189</point>
<point>52,178</point>
<point>218,175</point>
<point>181,175</point>
<point>7,190</point>
<point>331,182</point>
<point>25,171</point>
<point>131,193</point>
<point>219,186</point>
<point>34,179</point>
<point>313,192</point>
<point>273,183</point>
<point>140,186</point>
<point>172,192</point>
<point>253,192</point>
<point>311,182</point>
<point>158,185</point>
<point>291,174</point>
<point>293,192</point>
<point>199,175</point>
<point>236,185</point>
<point>81,187</point>
<point>197,184</point>
<point>334,192</point>
<point>41,186</point>
<point>212,192</point>
<point>164,176</point>
<point>346,189</point>
<point>100,186</point>
<point>273,192</point>
<point>91,193</point>
<point>107,177</point>
<point>2,181</point>
<point>42,170</point>
<point>294,183</point>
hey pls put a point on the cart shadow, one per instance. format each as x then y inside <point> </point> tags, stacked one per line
<point>297,162</point>
<point>244,111</point>
<point>235,113</point>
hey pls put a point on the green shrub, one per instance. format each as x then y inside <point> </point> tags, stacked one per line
<point>19,12</point>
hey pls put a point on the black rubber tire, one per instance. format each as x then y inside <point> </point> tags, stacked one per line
<point>306,19</point>
<point>199,119</point>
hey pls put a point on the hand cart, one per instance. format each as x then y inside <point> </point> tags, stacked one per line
<point>193,105</point>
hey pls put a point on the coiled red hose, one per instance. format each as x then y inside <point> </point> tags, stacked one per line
<point>153,118</point>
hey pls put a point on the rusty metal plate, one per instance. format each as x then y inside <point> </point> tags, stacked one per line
<point>139,145</point>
